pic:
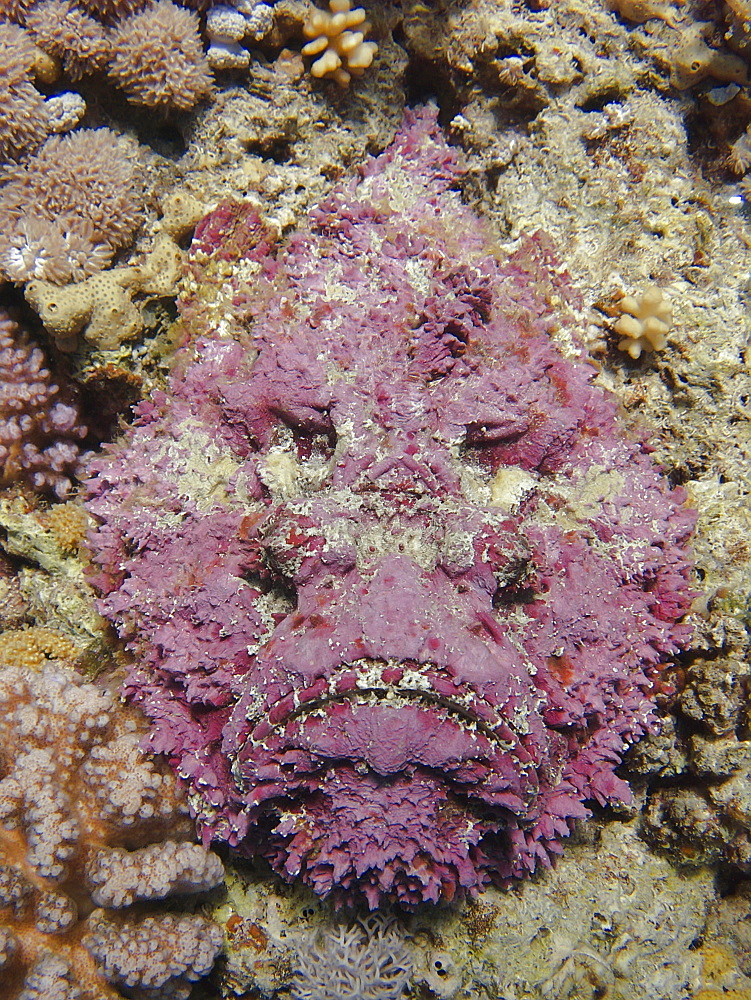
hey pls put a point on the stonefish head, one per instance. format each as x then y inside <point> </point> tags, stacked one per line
<point>397,584</point>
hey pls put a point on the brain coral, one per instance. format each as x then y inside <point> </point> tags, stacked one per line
<point>89,825</point>
<point>399,585</point>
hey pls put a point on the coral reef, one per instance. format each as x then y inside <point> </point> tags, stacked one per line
<point>41,429</point>
<point>23,114</point>
<point>103,305</point>
<point>341,53</point>
<point>67,209</point>
<point>568,934</point>
<point>88,826</point>
<point>359,570</point>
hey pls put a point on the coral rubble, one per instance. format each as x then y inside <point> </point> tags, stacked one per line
<point>88,826</point>
<point>399,585</point>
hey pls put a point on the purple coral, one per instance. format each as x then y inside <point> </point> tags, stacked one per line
<point>399,584</point>
<point>40,421</point>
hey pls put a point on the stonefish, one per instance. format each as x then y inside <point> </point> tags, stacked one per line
<point>397,585</point>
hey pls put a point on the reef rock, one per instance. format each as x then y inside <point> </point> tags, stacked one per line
<point>398,584</point>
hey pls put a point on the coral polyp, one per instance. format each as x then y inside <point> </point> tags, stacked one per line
<point>398,585</point>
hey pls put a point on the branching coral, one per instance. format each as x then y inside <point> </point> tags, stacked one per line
<point>66,210</point>
<point>644,323</point>
<point>40,422</point>
<point>342,53</point>
<point>87,820</point>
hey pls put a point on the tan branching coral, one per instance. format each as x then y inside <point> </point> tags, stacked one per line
<point>342,53</point>
<point>90,825</point>
<point>644,322</point>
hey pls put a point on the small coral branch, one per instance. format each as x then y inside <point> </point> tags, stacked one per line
<point>342,53</point>
<point>644,322</point>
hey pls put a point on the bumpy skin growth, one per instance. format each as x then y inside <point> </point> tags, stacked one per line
<point>399,585</point>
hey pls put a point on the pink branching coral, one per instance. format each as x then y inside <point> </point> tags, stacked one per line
<point>66,210</point>
<point>399,585</point>
<point>40,422</point>
<point>158,57</point>
<point>87,821</point>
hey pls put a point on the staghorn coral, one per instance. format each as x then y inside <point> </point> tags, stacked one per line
<point>86,821</point>
<point>342,53</point>
<point>66,210</point>
<point>644,322</point>
<point>158,58</point>
<point>365,961</point>
<point>40,423</point>
<point>360,562</point>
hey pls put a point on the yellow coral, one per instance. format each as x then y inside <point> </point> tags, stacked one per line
<point>30,648</point>
<point>68,523</point>
<point>342,53</point>
<point>102,305</point>
<point>644,322</point>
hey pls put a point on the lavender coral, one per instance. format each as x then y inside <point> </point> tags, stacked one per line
<point>87,820</point>
<point>41,429</point>
<point>399,585</point>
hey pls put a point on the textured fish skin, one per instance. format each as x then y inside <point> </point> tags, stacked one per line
<point>397,583</point>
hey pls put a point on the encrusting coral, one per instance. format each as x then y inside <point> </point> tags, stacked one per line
<point>644,322</point>
<point>67,209</point>
<point>342,53</point>
<point>89,826</point>
<point>356,550</point>
<point>103,306</point>
<point>41,429</point>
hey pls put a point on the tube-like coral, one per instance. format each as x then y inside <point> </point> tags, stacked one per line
<point>65,211</point>
<point>158,57</point>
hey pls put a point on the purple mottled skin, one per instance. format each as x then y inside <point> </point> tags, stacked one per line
<point>398,585</point>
